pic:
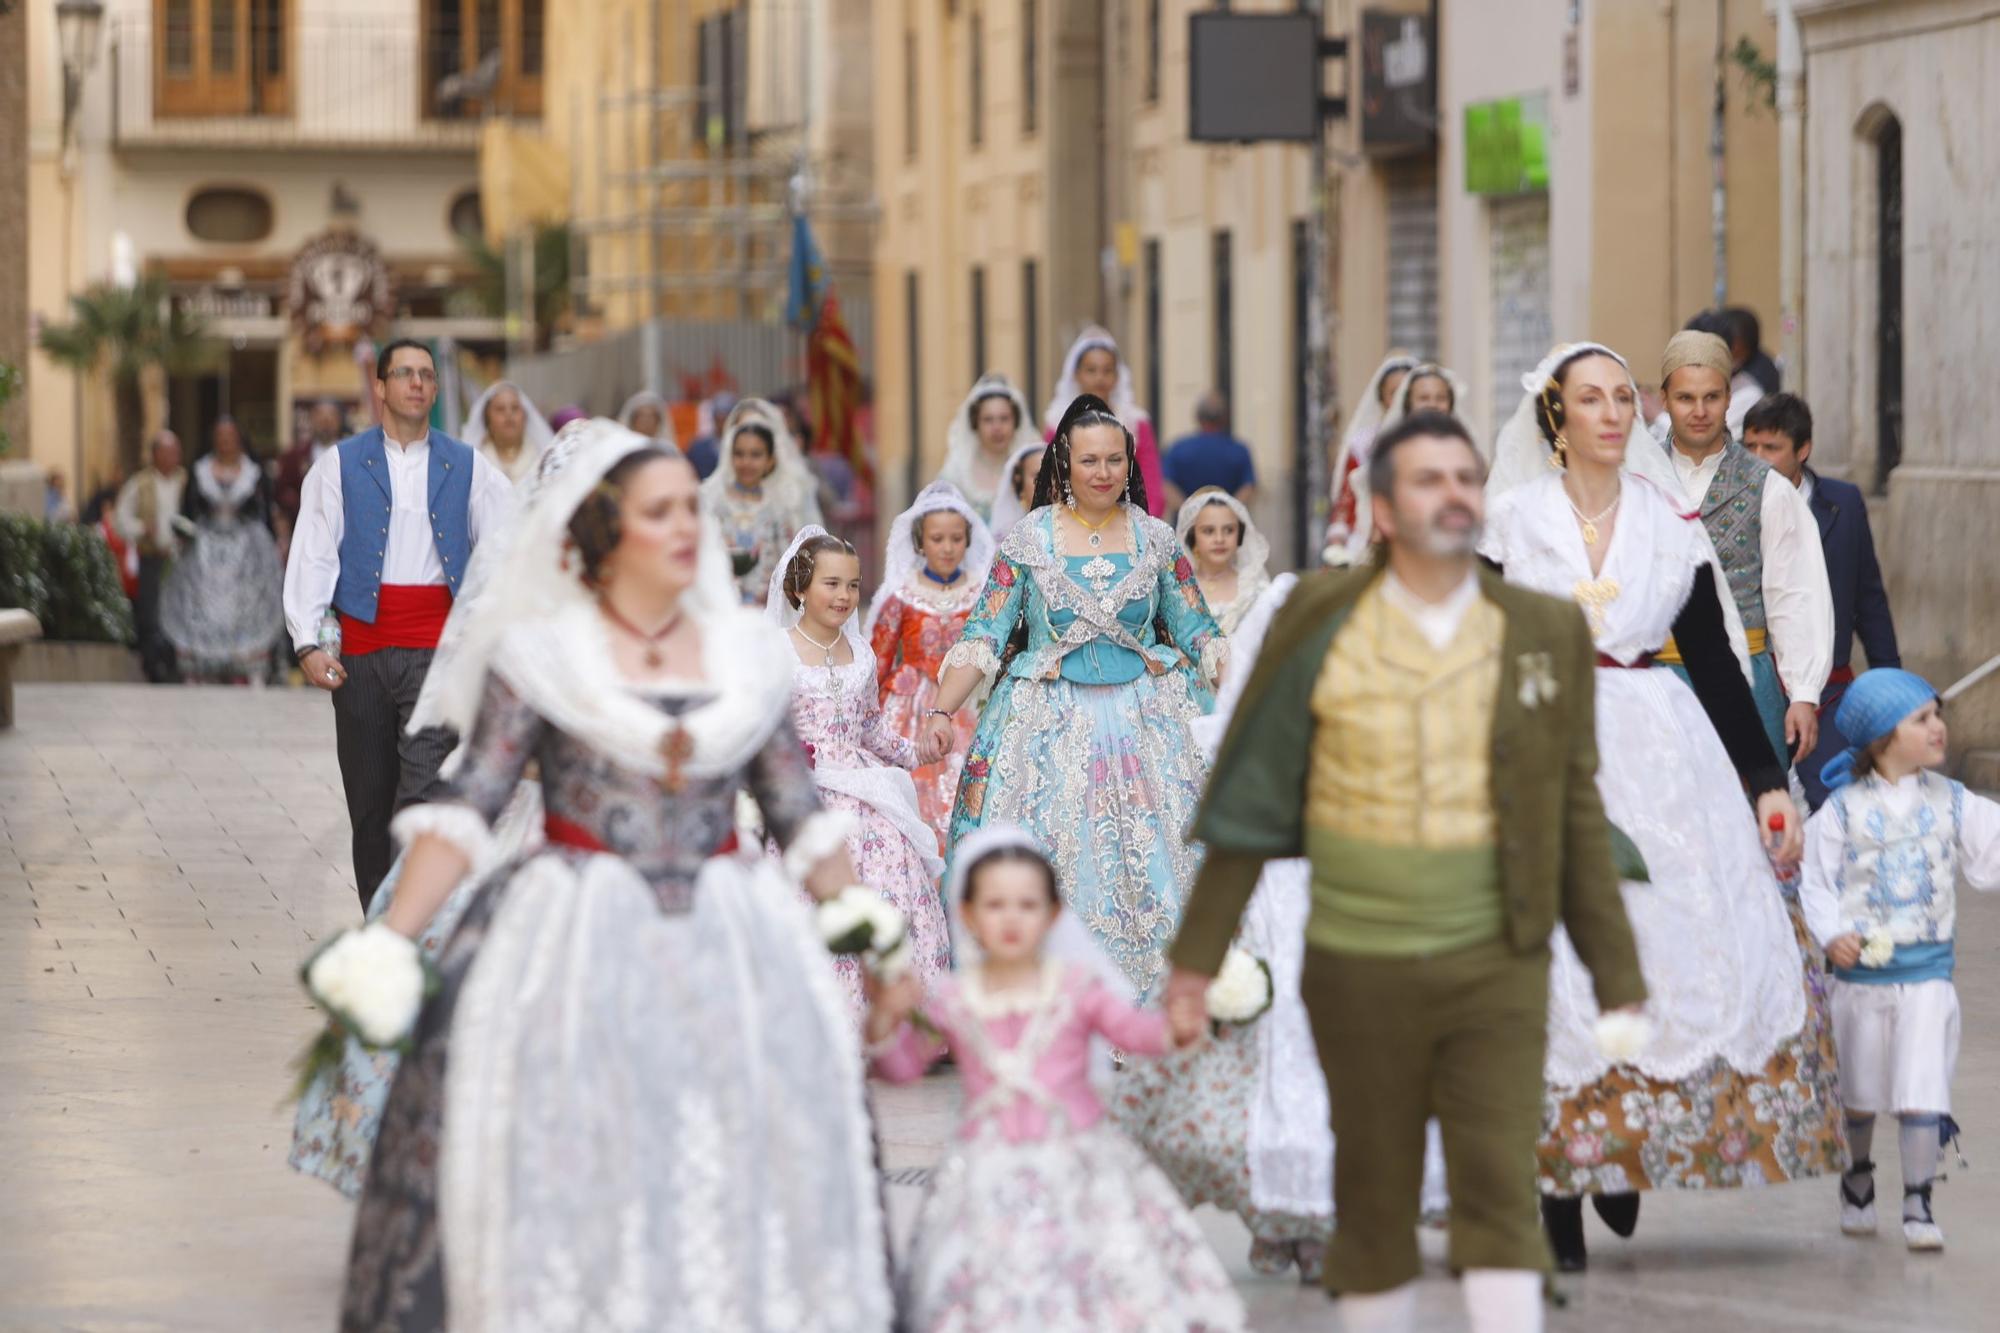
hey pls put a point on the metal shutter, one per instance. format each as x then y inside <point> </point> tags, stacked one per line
<point>1523,329</point>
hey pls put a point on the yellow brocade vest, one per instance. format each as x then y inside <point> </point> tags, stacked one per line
<point>1399,798</point>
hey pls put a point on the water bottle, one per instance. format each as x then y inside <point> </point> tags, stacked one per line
<point>329,635</point>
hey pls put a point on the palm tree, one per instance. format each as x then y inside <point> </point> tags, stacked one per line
<point>125,330</point>
<point>487,293</point>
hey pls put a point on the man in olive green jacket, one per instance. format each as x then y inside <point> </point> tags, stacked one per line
<point>1425,734</point>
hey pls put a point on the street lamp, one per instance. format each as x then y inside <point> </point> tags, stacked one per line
<point>78,24</point>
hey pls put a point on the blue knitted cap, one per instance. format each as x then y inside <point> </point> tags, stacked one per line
<point>1873,706</point>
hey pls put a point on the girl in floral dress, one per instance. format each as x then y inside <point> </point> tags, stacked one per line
<point>859,766</point>
<point>1042,1217</point>
<point>936,563</point>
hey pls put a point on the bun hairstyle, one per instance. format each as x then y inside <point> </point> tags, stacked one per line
<point>1086,409</point>
<point>595,529</point>
<point>917,526</point>
<point>1548,403</point>
<point>1016,855</point>
<point>799,574</point>
<point>972,412</point>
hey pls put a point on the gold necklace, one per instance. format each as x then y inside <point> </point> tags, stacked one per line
<point>1094,529</point>
<point>1591,521</point>
<point>826,648</point>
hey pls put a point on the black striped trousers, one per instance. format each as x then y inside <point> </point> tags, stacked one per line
<point>382,769</point>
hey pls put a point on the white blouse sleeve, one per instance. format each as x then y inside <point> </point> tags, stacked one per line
<point>492,498</point>
<point>1798,602</point>
<point>314,567</point>
<point>1979,843</point>
<point>1818,898</point>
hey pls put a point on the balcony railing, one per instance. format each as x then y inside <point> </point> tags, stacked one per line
<point>364,82</point>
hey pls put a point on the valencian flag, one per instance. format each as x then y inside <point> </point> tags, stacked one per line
<point>833,380</point>
<point>808,278</point>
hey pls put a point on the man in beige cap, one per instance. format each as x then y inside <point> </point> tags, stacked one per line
<point>1765,536</point>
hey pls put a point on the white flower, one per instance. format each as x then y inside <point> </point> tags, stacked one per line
<point>1622,1036</point>
<point>1878,948</point>
<point>844,921</point>
<point>1241,991</point>
<point>372,980</point>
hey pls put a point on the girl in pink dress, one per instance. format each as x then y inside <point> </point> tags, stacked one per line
<point>934,570</point>
<point>859,765</point>
<point>1041,1216</point>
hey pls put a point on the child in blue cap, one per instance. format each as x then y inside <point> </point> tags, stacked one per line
<point>1883,859</point>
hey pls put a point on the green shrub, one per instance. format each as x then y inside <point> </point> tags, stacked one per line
<point>64,575</point>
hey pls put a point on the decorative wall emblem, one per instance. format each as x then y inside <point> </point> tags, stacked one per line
<point>339,290</point>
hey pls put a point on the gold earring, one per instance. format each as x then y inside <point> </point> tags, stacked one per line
<point>1559,457</point>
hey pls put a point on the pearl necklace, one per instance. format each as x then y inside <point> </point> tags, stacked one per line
<point>826,648</point>
<point>1590,521</point>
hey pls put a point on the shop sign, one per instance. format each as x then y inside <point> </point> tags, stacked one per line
<point>1507,146</point>
<point>1398,82</point>
<point>209,302</point>
<point>339,290</point>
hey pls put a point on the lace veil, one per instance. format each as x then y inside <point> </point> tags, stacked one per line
<point>901,560</point>
<point>1123,402</point>
<point>647,398</point>
<point>1399,407</point>
<point>1007,507</point>
<point>962,441</point>
<point>1069,940</point>
<point>791,484</point>
<point>538,436</point>
<point>784,615</point>
<point>534,622</point>
<point>1253,552</point>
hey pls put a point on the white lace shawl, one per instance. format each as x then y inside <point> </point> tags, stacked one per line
<point>238,489</point>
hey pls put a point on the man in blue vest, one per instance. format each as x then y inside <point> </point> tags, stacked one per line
<point>1779,429</point>
<point>387,522</point>
<point>1765,538</point>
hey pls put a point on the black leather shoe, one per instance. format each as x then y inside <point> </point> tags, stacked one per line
<point>1619,1211</point>
<point>1563,1220</point>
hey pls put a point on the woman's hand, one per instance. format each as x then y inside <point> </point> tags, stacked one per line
<point>1786,843</point>
<point>1845,950</point>
<point>934,743</point>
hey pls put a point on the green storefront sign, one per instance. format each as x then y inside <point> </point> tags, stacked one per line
<point>1507,145</point>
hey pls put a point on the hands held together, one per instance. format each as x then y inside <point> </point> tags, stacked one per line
<point>934,741</point>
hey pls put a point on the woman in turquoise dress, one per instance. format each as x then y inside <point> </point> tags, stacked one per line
<point>1096,640</point>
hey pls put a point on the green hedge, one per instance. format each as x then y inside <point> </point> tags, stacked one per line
<point>64,574</point>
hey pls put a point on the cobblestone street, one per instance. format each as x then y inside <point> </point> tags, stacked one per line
<point>169,856</point>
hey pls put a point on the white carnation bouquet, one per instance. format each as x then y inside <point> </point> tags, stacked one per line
<point>860,923</point>
<point>372,982</point>
<point>1241,991</point>
<point>1623,1035</point>
<point>1878,947</point>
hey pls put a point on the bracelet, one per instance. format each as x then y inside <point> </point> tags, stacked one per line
<point>938,712</point>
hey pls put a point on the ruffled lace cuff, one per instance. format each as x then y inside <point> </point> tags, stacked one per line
<point>1214,654</point>
<point>459,825</point>
<point>973,653</point>
<point>823,834</point>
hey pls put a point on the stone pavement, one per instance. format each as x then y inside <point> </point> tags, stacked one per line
<point>169,856</point>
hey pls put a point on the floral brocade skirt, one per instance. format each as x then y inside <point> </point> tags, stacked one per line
<point>1106,778</point>
<point>1717,1128</point>
<point>1075,1233</point>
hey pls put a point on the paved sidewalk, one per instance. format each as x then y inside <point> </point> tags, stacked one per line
<point>169,856</point>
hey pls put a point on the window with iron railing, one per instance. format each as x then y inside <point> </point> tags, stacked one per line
<point>483,57</point>
<point>221,57</point>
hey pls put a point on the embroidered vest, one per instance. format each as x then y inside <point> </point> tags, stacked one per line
<point>1733,513</point>
<point>365,504</point>
<point>1900,872</point>
<point>1399,753</point>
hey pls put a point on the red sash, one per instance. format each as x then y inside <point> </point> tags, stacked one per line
<point>567,833</point>
<point>406,616</point>
<point>1638,663</point>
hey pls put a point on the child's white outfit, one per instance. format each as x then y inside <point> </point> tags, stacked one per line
<point>1883,861</point>
<point>1042,1217</point>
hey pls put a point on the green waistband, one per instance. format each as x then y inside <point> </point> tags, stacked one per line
<point>1388,901</point>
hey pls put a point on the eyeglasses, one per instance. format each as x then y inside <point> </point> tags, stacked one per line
<point>421,374</point>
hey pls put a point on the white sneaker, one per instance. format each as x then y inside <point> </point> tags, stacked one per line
<point>1919,1234</point>
<point>1857,1211</point>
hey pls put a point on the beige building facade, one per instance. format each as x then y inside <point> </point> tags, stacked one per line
<point>302,176</point>
<point>1900,260</point>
